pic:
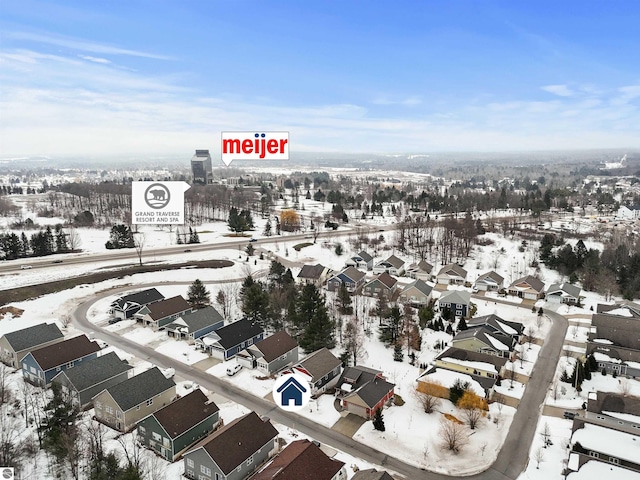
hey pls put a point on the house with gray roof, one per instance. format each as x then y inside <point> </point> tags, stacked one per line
<point>350,276</point>
<point>193,325</point>
<point>362,260</point>
<point>233,452</point>
<point>484,341</point>
<point>489,282</point>
<point>122,405</point>
<point>471,362</point>
<point>39,366</point>
<point>127,306</point>
<point>392,265</point>
<point>159,314</point>
<point>422,270</point>
<point>529,288</point>
<point>15,345</point>
<point>313,274</point>
<point>451,274</point>
<point>371,474</point>
<point>498,326</point>
<point>178,426</point>
<point>271,354</point>
<point>226,342</point>
<point>382,286</point>
<point>458,301</point>
<point>416,293</point>
<point>84,381</point>
<point>563,293</point>
<point>322,369</point>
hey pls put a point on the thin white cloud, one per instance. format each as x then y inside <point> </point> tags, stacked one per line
<point>560,90</point>
<point>408,102</point>
<point>94,59</point>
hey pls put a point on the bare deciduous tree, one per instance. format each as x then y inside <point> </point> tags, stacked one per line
<point>427,399</point>
<point>546,433</point>
<point>354,341</point>
<point>538,456</point>
<point>454,435</point>
<point>624,387</point>
<point>138,243</point>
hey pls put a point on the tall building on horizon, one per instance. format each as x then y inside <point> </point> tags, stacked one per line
<point>201,167</point>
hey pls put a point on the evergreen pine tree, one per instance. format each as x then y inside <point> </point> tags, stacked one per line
<point>255,304</point>
<point>198,296</point>
<point>378,420</point>
<point>462,324</point>
<point>398,356</point>
<point>267,229</point>
<point>59,427</point>
<point>24,245</point>
<point>313,320</point>
<point>61,240</point>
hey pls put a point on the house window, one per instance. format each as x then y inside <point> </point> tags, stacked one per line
<point>109,409</point>
<point>25,366</point>
<point>156,436</point>
<point>614,460</point>
<point>190,463</point>
<point>118,414</point>
<point>99,405</point>
<point>137,407</point>
<point>249,460</point>
<point>594,454</point>
<point>283,357</point>
<point>205,470</point>
<point>149,402</point>
<point>70,364</point>
<point>142,430</point>
<point>33,370</point>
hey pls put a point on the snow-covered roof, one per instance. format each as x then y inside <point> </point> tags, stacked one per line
<point>447,378</point>
<point>594,470</point>
<point>508,329</point>
<point>624,416</point>
<point>622,312</point>
<point>607,441</point>
<point>487,367</point>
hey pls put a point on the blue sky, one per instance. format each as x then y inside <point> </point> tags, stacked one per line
<point>166,77</point>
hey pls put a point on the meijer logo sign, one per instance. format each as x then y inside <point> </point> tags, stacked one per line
<point>254,146</point>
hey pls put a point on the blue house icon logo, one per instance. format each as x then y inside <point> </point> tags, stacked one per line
<point>291,392</point>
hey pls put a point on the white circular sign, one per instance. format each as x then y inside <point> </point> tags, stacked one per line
<point>291,392</point>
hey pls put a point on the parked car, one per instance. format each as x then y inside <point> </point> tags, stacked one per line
<point>233,369</point>
<point>253,240</point>
<point>57,261</point>
<point>570,415</point>
<point>25,267</point>
<point>114,320</point>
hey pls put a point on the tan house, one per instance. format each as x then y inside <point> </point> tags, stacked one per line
<point>162,313</point>
<point>313,274</point>
<point>452,274</point>
<point>489,282</point>
<point>14,346</point>
<point>529,288</point>
<point>416,293</point>
<point>420,271</point>
<point>472,363</point>
<point>482,340</point>
<point>128,402</point>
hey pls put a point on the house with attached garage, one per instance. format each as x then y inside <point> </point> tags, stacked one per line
<point>364,390</point>
<point>226,342</point>
<point>176,427</point>
<point>416,293</point>
<point>458,301</point>
<point>195,324</point>
<point>420,271</point>
<point>362,260</point>
<point>511,331</point>
<point>15,345</point>
<point>350,276</point>
<point>472,363</point>
<point>528,288</point>
<point>321,368</point>
<point>452,274</point>
<point>483,340</point>
<point>302,460</point>
<point>233,452</point>
<point>489,282</point>
<point>563,293</point>
<point>39,366</point>
<point>382,286</point>
<point>313,274</point>
<point>84,381</point>
<point>271,354</point>
<point>122,405</point>
<point>162,313</point>
<point>127,306</point>
<point>392,265</point>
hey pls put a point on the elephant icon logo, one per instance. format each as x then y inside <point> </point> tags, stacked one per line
<point>157,195</point>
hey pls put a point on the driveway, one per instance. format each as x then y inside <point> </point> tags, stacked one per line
<point>348,425</point>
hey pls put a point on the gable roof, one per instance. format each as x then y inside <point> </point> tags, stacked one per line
<point>359,375</point>
<point>493,320</point>
<point>535,283</point>
<point>184,413</point>
<point>632,307</point>
<point>139,298</point>
<point>313,272</point>
<point>372,392</point>
<point>237,332</point>
<point>300,460</point>
<point>484,335</point>
<point>470,356</point>
<point>566,288</point>
<point>276,345</point>
<point>492,276</point>
<point>419,285</point>
<point>167,307</point>
<point>96,370</point>
<point>364,256</point>
<point>385,279</point>
<point>64,352</point>
<point>425,266</point>
<point>394,261</point>
<point>33,336</point>
<point>237,441</point>
<point>453,268</point>
<point>320,363</point>
<point>460,297</point>
<point>371,474</point>
<point>202,318</point>
<point>353,273</point>
<point>143,386</point>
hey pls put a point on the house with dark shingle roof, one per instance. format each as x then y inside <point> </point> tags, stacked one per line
<point>392,265</point>
<point>489,282</point>
<point>382,286</point>
<point>272,354</point>
<point>420,271</point>
<point>122,405</point>
<point>15,345</point>
<point>472,363</point>
<point>313,274</point>
<point>416,293</point>
<point>498,326</point>
<point>234,451</point>
<point>563,293</point>
<point>322,369</point>
<point>127,306</point>
<point>451,274</point>
<point>162,313</point>
<point>483,340</point>
<point>39,366</point>
<point>529,288</point>
<point>458,301</point>
<point>84,381</point>
<point>302,460</point>
<point>350,276</point>
<point>226,342</point>
<point>364,391</point>
<point>361,260</point>
<point>196,324</point>
<point>178,426</point>
<point>371,474</point>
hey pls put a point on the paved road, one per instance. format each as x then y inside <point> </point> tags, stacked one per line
<point>511,460</point>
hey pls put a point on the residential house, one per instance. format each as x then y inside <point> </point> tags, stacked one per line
<point>321,368</point>
<point>179,425</point>
<point>489,282</point>
<point>364,390</point>
<point>193,325</point>
<point>352,278</point>
<point>392,265</point>
<point>382,286</point>
<point>84,381</point>
<point>226,342</point>
<point>127,306</point>
<point>15,345</point>
<point>40,365</point>
<point>482,340</point>
<point>271,354</point>
<point>234,451</point>
<point>159,314</point>
<point>623,308</point>
<point>629,212</point>
<point>512,331</point>
<point>313,274</point>
<point>361,260</point>
<point>529,288</point>
<point>371,474</point>
<point>458,301</point>
<point>417,293</point>
<point>302,460</point>
<point>563,293</point>
<point>420,271</point>
<point>452,274</point>
<point>122,405</point>
<point>593,442</point>
<point>614,340</point>
<point>472,363</point>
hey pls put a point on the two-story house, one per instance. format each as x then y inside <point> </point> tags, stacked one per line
<point>352,278</point>
<point>362,261</point>
<point>313,274</point>
<point>271,354</point>
<point>458,301</point>
<point>127,306</point>
<point>321,368</point>
<point>15,345</point>
<point>392,265</point>
<point>416,293</point>
<point>226,342</point>
<point>382,286</point>
<point>193,325</point>
<point>159,314</point>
